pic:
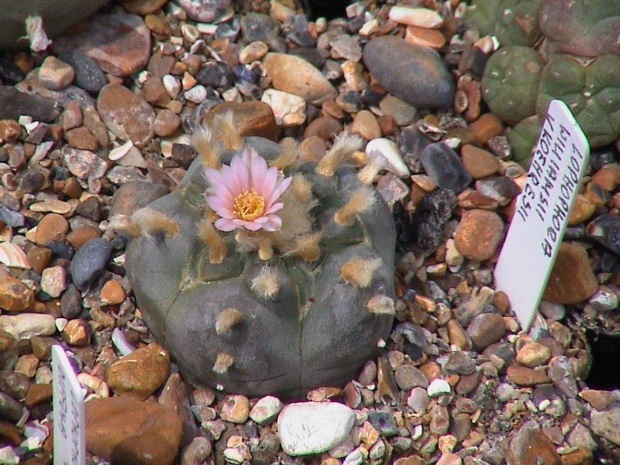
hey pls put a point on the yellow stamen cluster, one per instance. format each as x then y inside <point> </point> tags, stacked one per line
<point>249,205</point>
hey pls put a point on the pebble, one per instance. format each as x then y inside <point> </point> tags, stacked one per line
<point>365,124</point>
<point>571,280</point>
<point>10,217</point>
<point>418,400</point>
<point>235,409</point>
<point>288,108</point>
<point>76,333</point>
<point>479,234</point>
<point>14,295</point>
<point>119,43</point>
<point>605,229</point>
<point>54,281</point>
<point>126,114</point>
<point>266,410</point>
<point>26,325</point>
<point>55,74</point>
<point>402,113</point>
<point>421,17</point>
<point>14,104</point>
<point>81,138</point>
<point>530,446</point>
<point>311,428</point>
<point>391,61</point>
<point>533,354</point>
<point>444,167</point>
<point>124,430</point>
<point>485,329</point>
<point>478,162</point>
<point>438,386</point>
<point>424,37</point>
<point>523,376</point>
<point>345,47</point>
<point>88,75</point>
<point>429,219</point>
<point>10,409</point>
<point>112,292</point>
<point>84,164</point>
<point>52,227</point>
<point>486,127</point>
<point>607,424</point>
<point>561,373</point>
<point>133,195</point>
<point>71,302</point>
<point>166,123</point>
<point>296,76</point>
<point>383,421</point>
<point>407,377</point>
<point>89,261</point>
<point>140,373</point>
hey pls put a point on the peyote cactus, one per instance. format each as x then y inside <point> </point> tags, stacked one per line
<point>510,82</point>
<point>270,284</point>
<point>522,139</point>
<point>514,22</point>
<point>588,28</point>
<point>590,88</point>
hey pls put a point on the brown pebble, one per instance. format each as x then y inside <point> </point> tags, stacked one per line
<point>72,115</point>
<point>9,130</point>
<point>81,138</point>
<point>426,37</point>
<point>365,124</point>
<point>139,373</point>
<point>485,329</point>
<point>457,335</point>
<point>431,370</point>
<point>38,394</point>
<point>166,123</point>
<point>479,162</point>
<point>82,235</point>
<point>52,227</point>
<point>112,292</point>
<point>479,234</point>
<point>572,279</point>
<point>14,295</point>
<point>250,118</point>
<point>76,333</point>
<point>524,376</point>
<point>598,399</point>
<point>530,446</point>
<point>580,456</point>
<point>608,178</point>
<point>235,409</point>
<point>582,210</point>
<point>533,354</point>
<point>324,127</point>
<point>312,149</point>
<point>485,127</point>
<point>72,188</point>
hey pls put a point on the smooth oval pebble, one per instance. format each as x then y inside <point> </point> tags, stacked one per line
<point>311,427</point>
<point>421,17</point>
<point>119,152</point>
<point>12,255</point>
<point>295,75</point>
<point>26,325</point>
<point>89,260</point>
<point>393,62</point>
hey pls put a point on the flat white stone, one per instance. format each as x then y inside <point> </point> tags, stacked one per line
<point>438,387</point>
<point>313,427</point>
<point>289,109</point>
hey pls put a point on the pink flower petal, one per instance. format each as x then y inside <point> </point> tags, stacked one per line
<point>269,183</point>
<point>274,223</point>
<point>225,224</point>
<point>279,189</point>
<point>258,170</point>
<point>274,208</point>
<point>241,173</point>
<point>223,209</point>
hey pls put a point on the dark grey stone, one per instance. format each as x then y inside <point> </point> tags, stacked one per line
<point>89,261</point>
<point>429,219</point>
<point>445,167</point>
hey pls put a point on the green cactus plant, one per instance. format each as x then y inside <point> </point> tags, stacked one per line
<point>510,82</point>
<point>590,88</point>
<point>522,139</point>
<point>588,28</point>
<point>514,22</point>
<point>268,310</point>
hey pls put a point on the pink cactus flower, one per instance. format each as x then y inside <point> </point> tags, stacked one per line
<point>245,194</point>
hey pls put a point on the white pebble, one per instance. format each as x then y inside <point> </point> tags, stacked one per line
<point>266,410</point>
<point>389,150</point>
<point>173,87</point>
<point>312,428</point>
<point>26,325</point>
<point>289,109</point>
<point>196,94</point>
<point>438,387</point>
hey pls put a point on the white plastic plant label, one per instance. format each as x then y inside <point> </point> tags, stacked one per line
<point>69,422</point>
<point>542,212</point>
